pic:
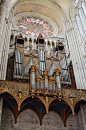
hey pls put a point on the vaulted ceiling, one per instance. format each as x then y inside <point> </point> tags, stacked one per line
<point>55,10</point>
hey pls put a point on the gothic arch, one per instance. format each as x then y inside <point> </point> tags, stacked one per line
<point>10,93</point>
<point>35,104</point>
<point>60,107</point>
<point>78,103</point>
<point>10,102</point>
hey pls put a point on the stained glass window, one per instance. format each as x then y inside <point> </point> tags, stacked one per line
<point>84,8</point>
<point>33,26</point>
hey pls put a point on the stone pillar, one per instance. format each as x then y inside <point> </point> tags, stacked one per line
<point>81,116</point>
<point>32,43</point>
<point>75,64</point>
<point>2,15</point>
<point>75,54</point>
<point>82,68</point>
<point>55,44</point>
<point>3,20</point>
<point>28,42</point>
<point>5,46</point>
<point>1,107</point>
<point>79,23</point>
<point>83,18</point>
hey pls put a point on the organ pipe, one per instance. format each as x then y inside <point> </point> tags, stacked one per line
<point>58,81</point>
<point>32,77</point>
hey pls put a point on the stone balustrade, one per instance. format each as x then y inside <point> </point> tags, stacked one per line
<point>50,42</point>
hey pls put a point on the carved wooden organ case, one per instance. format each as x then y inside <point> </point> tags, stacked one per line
<point>42,70</point>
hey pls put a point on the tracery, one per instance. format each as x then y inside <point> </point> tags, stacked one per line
<point>34,25</point>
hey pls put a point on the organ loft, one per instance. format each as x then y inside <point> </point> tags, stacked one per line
<point>44,79</point>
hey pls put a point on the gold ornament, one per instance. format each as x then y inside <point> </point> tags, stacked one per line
<point>32,69</point>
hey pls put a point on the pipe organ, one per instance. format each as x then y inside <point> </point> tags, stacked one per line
<point>43,72</point>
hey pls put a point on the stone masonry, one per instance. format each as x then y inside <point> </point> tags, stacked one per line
<point>28,120</point>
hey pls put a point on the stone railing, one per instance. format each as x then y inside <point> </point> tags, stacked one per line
<point>31,40</point>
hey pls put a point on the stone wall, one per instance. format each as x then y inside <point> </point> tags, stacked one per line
<point>82,117</point>
<point>28,120</point>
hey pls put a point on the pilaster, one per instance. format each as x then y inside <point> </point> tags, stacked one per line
<point>1,107</point>
<point>75,54</point>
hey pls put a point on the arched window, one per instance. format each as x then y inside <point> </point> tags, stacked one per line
<point>79,26</point>
<point>81,18</point>
<point>83,23</point>
<point>84,8</point>
<point>76,1</point>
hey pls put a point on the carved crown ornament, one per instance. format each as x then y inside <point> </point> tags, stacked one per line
<point>32,69</point>
<point>58,72</point>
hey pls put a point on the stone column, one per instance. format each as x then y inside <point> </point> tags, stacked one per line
<point>81,29</point>
<point>81,116</point>
<point>66,47</point>
<point>1,107</point>
<point>5,47</point>
<point>3,19</point>
<point>80,56</point>
<point>75,54</point>
<point>32,43</point>
<point>55,44</point>
<point>28,42</point>
<point>2,15</point>
<point>83,18</point>
<point>75,62</point>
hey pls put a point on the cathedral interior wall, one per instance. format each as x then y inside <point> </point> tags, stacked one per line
<point>28,120</point>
